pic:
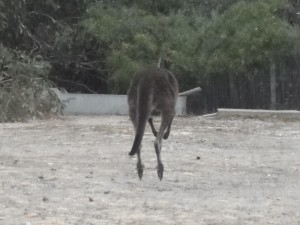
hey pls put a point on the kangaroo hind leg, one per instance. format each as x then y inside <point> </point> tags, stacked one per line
<point>165,122</point>
<point>167,133</point>
<point>139,165</point>
<point>133,118</point>
<point>150,120</point>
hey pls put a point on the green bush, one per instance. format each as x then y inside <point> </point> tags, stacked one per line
<point>24,88</point>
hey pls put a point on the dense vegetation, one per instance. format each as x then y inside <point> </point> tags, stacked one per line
<point>243,54</point>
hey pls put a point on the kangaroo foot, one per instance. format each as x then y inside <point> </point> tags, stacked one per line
<point>160,171</point>
<point>166,136</point>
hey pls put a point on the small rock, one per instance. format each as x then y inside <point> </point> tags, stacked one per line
<point>45,199</point>
<point>90,199</point>
<point>106,192</point>
<point>41,177</point>
<point>198,158</point>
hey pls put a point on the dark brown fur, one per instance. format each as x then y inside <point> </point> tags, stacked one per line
<point>151,90</point>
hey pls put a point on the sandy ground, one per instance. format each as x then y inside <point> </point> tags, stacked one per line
<point>75,170</point>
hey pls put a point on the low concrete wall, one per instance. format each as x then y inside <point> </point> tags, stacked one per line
<point>260,114</point>
<point>103,104</point>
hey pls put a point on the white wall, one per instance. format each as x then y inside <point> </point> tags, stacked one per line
<point>102,104</point>
<point>259,113</point>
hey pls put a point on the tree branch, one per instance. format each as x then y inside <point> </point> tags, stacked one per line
<point>43,14</point>
<point>78,84</point>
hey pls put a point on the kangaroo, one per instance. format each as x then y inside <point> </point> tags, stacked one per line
<point>152,89</point>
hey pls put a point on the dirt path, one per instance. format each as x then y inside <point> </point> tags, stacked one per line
<point>76,170</point>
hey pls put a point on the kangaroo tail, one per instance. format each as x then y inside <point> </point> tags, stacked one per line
<point>144,100</point>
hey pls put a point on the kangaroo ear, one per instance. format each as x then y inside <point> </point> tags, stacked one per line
<point>167,63</point>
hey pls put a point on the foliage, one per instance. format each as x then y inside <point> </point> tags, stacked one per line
<point>137,38</point>
<point>247,36</point>
<point>24,89</point>
<point>95,46</point>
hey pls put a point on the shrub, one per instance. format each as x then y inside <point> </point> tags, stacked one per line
<point>24,88</point>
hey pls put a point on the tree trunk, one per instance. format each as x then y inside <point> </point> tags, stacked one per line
<point>252,95</point>
<point>282,81</point>
<point>233,92</point>
<point>273,85</point>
